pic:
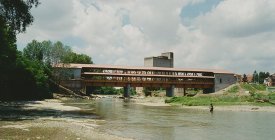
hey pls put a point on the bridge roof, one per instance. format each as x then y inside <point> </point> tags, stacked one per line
<point>116,67</point>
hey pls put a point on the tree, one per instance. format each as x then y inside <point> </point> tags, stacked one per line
<point>255,77</point>
<point>50,54</point>
<point>16,14</point>
<point>17,80</point>
<point>72,57</point>
<point>259,77</point>
<point>14,18</point>
<point>34,51</point>
<point>263,76</point>
<point>54,53</point>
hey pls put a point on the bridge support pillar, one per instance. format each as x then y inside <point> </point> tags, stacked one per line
<point>184,91</point>
<point>127,90</point>
<point>170,91</point>
<point>89,90</point>
<point>208,90</point>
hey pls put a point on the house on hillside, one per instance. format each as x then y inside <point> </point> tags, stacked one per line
<point>271,80</point>
<point>249,78</point>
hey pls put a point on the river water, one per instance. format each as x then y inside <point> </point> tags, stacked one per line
<point>131,120</point>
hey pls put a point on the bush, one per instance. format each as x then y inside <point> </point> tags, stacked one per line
<point>271,96</point>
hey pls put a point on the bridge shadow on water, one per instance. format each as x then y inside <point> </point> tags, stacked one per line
<point>20,111</point>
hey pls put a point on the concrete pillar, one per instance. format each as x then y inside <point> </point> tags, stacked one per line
<point>184,91</point>
<point>170,91</point>
<point>208,90</point>
<point>127,90</point>
<point>89,90</point>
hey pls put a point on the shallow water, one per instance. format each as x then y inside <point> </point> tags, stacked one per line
<point>144,122</point>
<point>127,119</point>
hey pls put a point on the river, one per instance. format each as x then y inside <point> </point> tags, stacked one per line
<point>135,121</point>
<point>92,119</point>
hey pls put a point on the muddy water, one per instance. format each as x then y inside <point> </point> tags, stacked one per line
<point>144,122</point>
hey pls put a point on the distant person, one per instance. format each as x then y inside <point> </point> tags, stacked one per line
<point>211,108</point>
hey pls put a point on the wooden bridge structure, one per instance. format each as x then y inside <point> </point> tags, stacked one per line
<point>92,75</point>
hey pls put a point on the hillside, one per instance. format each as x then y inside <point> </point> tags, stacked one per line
<point>237,94</point>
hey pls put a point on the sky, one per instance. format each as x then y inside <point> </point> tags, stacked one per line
<point>235,35</point>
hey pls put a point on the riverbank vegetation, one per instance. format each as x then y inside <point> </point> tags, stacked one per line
<point>17,75</point>
<point>25,75</point>
<point>239,94</point>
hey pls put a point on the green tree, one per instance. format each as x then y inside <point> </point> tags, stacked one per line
<point>16,14</point>
<point>34,51</point>
<point>255,78</point>
<point>72,57</point>
<point>54,53</point>
<point>259,77</point>
<point>17,80</point>
<point>262,76</point>
<point>58,52</point>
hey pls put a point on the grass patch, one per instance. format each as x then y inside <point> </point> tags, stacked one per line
<point>252,88</point>
<point>248,87</point>
<point>234,89</point>
<point>272,96</point>
<point>259,87</point>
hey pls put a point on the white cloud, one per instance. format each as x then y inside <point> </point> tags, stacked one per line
<point>235,18</point>
<point>235,35</point>
<point>52,21</point>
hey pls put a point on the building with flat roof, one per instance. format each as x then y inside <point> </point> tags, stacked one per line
<point>164,60</point>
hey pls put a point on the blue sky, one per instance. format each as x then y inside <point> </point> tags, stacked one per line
<point>193,10</point>
<point>223,34</point>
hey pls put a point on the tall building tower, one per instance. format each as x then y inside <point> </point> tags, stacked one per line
<point>165,60</point>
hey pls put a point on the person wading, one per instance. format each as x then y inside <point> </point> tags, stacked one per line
<point>211,108</point>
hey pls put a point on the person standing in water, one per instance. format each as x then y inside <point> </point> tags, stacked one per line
<point>211,108</point>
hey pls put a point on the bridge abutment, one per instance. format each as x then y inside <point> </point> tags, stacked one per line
<point>127,91</point>
<point>170,91</point>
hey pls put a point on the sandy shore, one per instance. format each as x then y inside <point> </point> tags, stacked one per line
<point>48,126</point>
<point>54,104</point>
<point>150,101</point>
